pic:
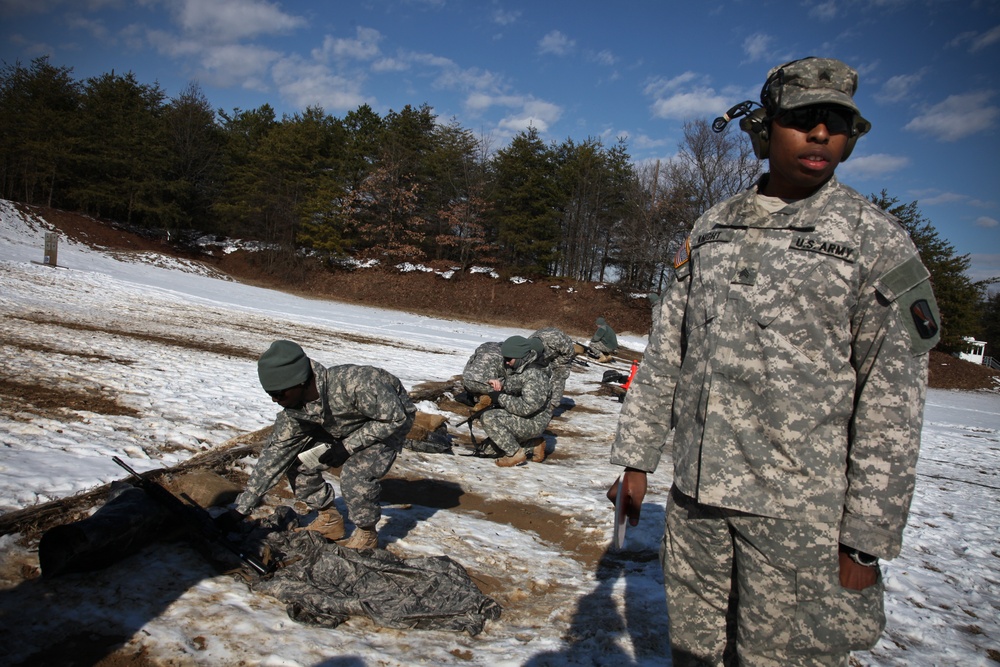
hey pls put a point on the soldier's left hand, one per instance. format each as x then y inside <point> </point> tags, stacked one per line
<point>855,576</point>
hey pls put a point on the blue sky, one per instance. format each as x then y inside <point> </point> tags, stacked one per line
<point>578,69</point>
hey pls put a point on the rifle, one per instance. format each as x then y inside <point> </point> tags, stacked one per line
<point>193,515</point>
<point>475,415</point>
<point>472,417</point>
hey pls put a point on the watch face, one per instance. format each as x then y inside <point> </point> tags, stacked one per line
<point>863,558</point>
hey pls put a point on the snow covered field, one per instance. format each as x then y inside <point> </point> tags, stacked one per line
<point>177,346</point>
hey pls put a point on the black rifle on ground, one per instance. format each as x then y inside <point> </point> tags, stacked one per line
<point>194,517</point>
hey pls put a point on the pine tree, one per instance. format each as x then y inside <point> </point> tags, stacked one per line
<point>528,204</point>
<point>39,115</point>
<point>121,169</point>
<point>195,145</point>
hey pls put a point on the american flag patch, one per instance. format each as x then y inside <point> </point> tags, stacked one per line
<point>683,254</point>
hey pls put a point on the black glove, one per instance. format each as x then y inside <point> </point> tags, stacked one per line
<point>495,398</point>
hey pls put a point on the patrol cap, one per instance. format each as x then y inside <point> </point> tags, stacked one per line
<point>810,81</point>
<point>283,365</point>
<point>515,347</point>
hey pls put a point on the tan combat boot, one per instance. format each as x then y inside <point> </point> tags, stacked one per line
<point>515,459</point>
<point>328,523</point>
<point>361,538</point>
<point>537,447</point>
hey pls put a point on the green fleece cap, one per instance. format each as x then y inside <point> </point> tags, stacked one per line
<point>515,347</point>
<point>283,365</point>
<point>537,345</point>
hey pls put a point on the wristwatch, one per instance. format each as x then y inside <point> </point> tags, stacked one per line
<point>861,558</point>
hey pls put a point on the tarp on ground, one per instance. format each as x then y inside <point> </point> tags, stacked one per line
<point>324,584</point>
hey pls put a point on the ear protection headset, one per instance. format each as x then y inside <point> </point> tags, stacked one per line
<point>757,123</point>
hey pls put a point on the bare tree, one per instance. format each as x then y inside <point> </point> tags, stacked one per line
<point>714,165</point>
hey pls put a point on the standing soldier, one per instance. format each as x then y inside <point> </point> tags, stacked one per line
<point>351,416</point>
<point>791,360</point>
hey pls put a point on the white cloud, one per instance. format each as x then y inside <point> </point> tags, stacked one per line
<point>502,17</point>
<point>988,223</point>
<point>989,38</point>
<point>231,20</point>
<point>528,111</point>
<point>30,48</point>
<point>383,65</point>
<point>876,164</point>
<point>824,11</point>
<point>983,266</point>
<point>757,47</point>
<point>556,43</point>
<point>957,117</point>
<point>977,41</point>
<point>983,203</point>
<point>364,46</point>
<point>96,29</point>
<point>223,65</point>
<point>479,101</point>
<point>645,142</point>
<point>683,106</point>
<point>604,57</point>
<point>941,198</point>
<point>898,87</point>
<point>305,84</point>
<point>660,86</point>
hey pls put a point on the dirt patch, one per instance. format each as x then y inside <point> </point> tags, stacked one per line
<point>216,348</point>
<point>948,372</point>
<point>549,526</point>
<point>60,403</point>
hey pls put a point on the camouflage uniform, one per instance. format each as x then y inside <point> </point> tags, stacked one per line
<point>525,404</point>
<point>364,414</point>
<point>604,339</point>
<point>485,364</point>
<point>558,356</point>
<point>791,362</point>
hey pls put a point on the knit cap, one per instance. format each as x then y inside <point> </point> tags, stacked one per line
<point>283,365</point>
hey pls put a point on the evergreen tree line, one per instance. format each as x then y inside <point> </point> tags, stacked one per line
<point>398,187</point>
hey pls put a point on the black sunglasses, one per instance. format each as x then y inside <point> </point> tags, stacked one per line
<point>281,392</point>
<point>836,119</point>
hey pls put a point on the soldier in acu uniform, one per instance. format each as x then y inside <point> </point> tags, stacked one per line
<point>485,364</point>
<point>604,342</point>
<point>521,401</point>
<point>356,417</point>
<point>557,353</point>
<point>790,361</point>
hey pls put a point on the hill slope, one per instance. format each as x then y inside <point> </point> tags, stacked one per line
<point>570,305</point>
